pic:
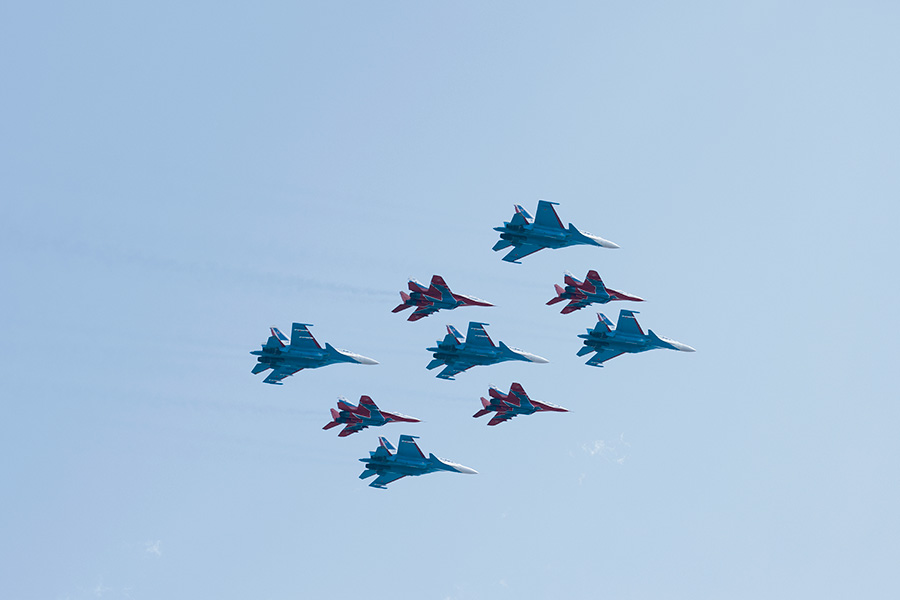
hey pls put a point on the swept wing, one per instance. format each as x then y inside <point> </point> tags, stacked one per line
<point>603,355</point>
<point>455,368</point>
<point>385,478</point>
<point>576,304</point>
<point>501,417</point>
<point>279,373</point>
<point>521,251</point>
<point>422,311</point>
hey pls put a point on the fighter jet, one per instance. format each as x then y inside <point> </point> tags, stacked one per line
<point>627,337</point>
<point>546,231</point>
<point>581,294</point>
<point>409,460</point>
<point>302,352</point>
<point>515,403</point>
<point>431,299</point>
<point>459,354</point>
<point>357,418</point>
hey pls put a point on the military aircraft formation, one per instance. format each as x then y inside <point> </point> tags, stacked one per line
<point>526,235</point>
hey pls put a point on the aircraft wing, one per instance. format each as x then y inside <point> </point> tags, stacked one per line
<point>454,368</point>
<point>595,280</point>
<point>385,478</point>
<point>521,251</point>
<point>477,336</point>
<point>369,404</point>
<point>302,339</point>
<point>351,429</point>
<point>422,311</point>
<point>500,417</point>
<point>576,304</point>
<point>438,283</point>
<point>546,216</point>
<point>627,323</point>
<point>408,449</point>
<point>279,373</point>
<point>603,355</point>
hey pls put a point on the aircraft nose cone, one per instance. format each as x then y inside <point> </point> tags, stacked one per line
<point>683,347</point>
<point>607,243</point>
<point>365,360</point>
<point>466,470</point>
<point>535,358</point>
<point>601,242</point>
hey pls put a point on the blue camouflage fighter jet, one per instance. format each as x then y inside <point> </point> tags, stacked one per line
<point>409,460</point>
<point>302,352</point>
<point>459,354</point>
<point>626,337</point>
<point>546,231</point>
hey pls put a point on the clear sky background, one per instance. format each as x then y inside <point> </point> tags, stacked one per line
<point>178,177</point>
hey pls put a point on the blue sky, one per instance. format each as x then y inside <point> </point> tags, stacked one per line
<point>178,178</point>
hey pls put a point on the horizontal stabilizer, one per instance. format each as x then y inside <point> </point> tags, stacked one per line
<point>260,367</point>
<point>559,294</point>
<point>405,297</point>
